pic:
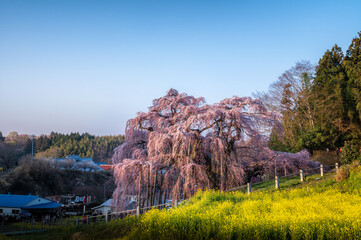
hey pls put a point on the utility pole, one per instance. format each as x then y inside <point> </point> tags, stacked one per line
<point>32,148</point>
<point>104,192</point>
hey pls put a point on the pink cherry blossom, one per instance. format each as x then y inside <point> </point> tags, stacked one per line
<point>183,144</point>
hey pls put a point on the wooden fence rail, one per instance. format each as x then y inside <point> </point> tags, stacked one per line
<point>322,169</point>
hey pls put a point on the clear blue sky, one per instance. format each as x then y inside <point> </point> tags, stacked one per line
<point>88,66</point>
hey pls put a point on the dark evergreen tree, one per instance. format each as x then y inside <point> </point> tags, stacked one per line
<point>329,101</point>
<point>352,65</point>
<point>84,145</point>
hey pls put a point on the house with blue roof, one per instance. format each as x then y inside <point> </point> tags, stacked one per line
<point>13,205</point>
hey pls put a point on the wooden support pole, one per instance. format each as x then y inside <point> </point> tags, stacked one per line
<point>160,190</point>
<point>164,196</point>
<point>302,176</point>
<point>249,188</point>
<point>148,188</point>
<point>138,211</point>
<point>277,184</point>
<point>139,188</point>
<point>154,186</point>
<point>151,194</point>
<point>222,177</point>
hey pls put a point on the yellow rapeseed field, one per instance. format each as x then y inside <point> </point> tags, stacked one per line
<point>327,212</point>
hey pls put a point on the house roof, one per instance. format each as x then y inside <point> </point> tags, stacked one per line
<point>18,201</point>
<point>100,163</point>
<point>44,206</point>
<point>107,203</point>
<point>106,167</point>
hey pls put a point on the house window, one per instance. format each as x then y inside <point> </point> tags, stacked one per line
<point>14,211</point>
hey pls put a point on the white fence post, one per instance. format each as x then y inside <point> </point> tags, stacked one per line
<point>302,176</point>
<point>249,188</point>
<point>321,170</point>
<point>336,166</point>
<point>277,182</point>
<point>107,216</point>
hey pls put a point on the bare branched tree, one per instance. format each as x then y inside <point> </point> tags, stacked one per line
<point>65,164</point>
<point>291,96</point>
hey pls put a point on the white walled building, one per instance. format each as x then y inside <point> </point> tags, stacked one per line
<point>13,205</point>
<point>103,208</point>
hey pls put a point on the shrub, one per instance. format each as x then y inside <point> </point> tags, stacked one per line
<point>350,152</point>
<point>343,173</point>
<point>354,166</point>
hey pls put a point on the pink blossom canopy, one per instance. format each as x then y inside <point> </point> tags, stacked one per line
<point>183,144</point>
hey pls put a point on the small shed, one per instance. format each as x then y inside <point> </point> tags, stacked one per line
<point>103,208</point>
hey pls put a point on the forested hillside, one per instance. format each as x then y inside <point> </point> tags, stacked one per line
<point>40,177</point>
<point>100,148</point>
<point>21,175</point>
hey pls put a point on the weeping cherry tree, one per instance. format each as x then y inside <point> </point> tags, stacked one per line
<point>183,144</point>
